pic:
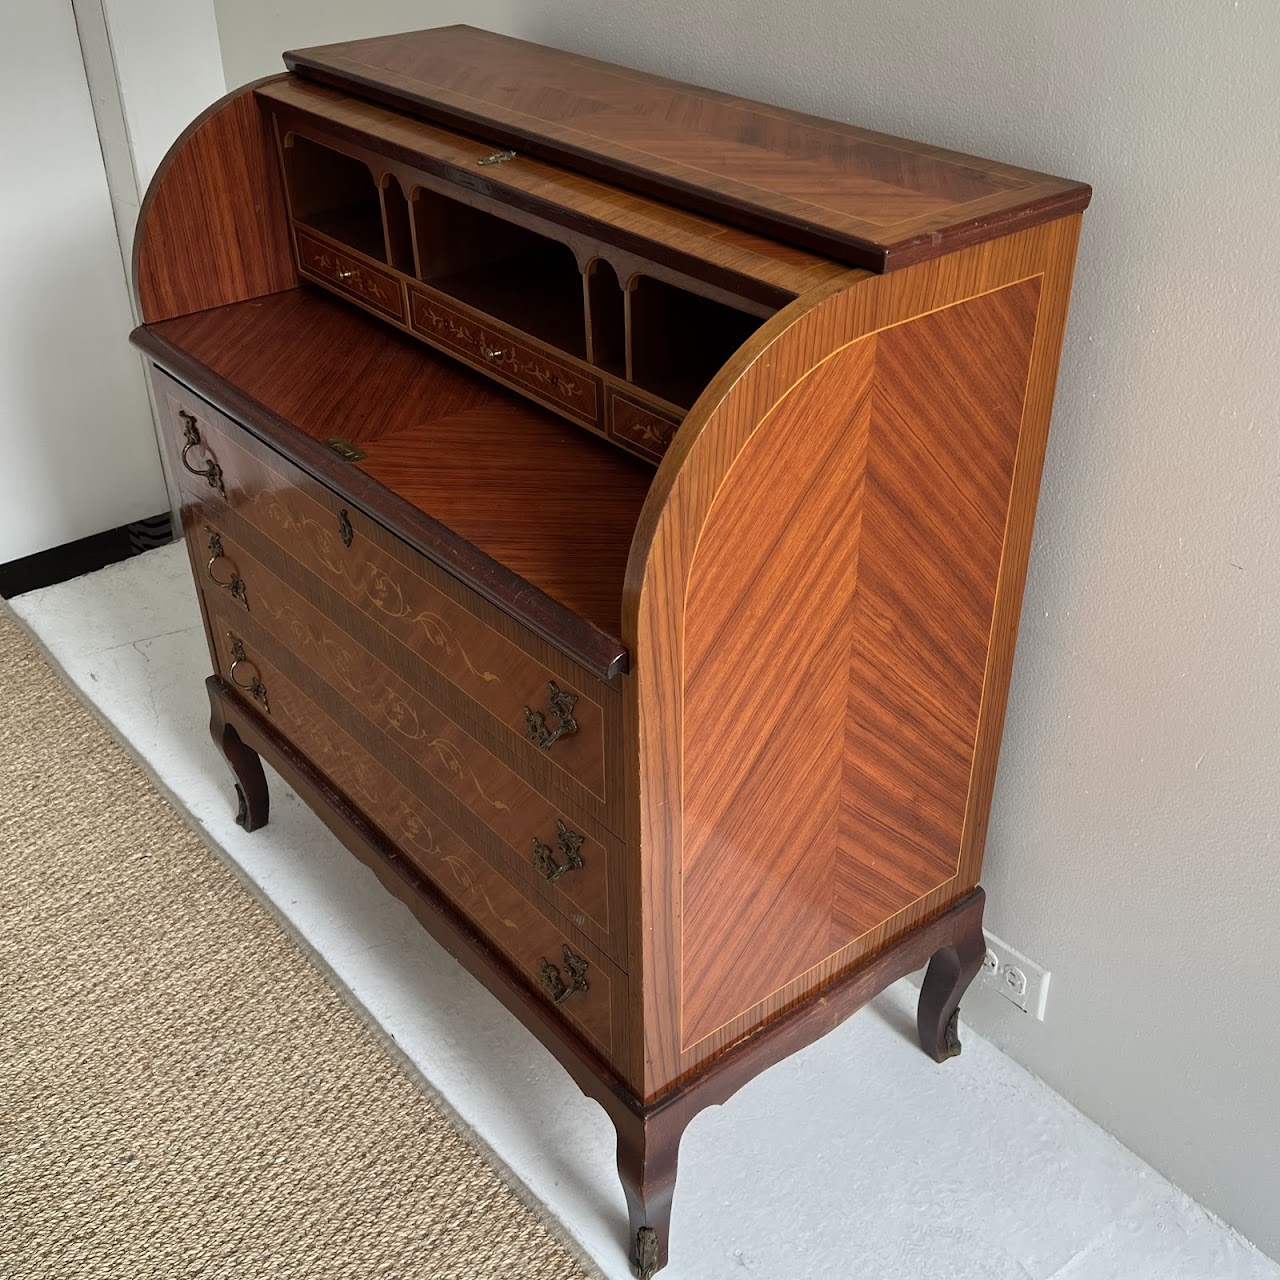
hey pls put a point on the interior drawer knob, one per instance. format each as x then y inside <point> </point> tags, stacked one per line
<point>210,471</point>
<point>493,353</point>
<point>562,705</point>
<point>569,843</point>
<point>575,967</point>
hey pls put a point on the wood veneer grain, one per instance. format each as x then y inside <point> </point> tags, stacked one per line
<point>936,409</point>
<point>480,667</point>
<point>850,729</point>
<point>435,755</point>
<point>367,383</point>
<point>493,904</point>
<point>861,197</point>
<point>212,227</point>
<point>768,270</point>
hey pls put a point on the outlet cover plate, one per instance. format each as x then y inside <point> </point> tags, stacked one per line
<point>1019,979</point>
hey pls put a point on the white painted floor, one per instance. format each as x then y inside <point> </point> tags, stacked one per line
<point>857,1159</point>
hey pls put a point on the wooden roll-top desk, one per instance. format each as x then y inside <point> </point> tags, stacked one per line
<point>609,503</point>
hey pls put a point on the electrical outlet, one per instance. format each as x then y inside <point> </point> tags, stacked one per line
<point>1021,981</point>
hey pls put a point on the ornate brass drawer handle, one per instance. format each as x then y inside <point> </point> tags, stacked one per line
<point>562,705</point>
<point>575,966</point>
<point>234,583</point>
<point>210,471</point>
<point>569,842</point>
<point>255,688</point>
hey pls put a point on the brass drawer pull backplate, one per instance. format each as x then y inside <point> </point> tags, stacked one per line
<point>562,705</point>
<point>569,843</point>
<point>575,966</point>
<point>234,582</point>
<point>210,471</point>
<point>254,687</point>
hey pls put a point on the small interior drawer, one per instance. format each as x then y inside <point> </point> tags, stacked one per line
<point>497,349</point>
<point>338,269</point>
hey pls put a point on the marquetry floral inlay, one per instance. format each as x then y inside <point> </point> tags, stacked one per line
<point>379,701</point>
<point>358,778</point>
<point>653,433</point>
<point>369,581</point>
<point>470,886</point>
<point>385,594</point>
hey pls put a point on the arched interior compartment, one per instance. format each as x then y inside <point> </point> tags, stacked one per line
<point>335,194</point>
<point>680,340</point>
<point>499,267</point>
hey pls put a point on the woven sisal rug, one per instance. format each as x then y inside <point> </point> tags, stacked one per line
<point>182,1094</point>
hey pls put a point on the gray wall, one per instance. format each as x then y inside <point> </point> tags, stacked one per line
<point>1133,848</point>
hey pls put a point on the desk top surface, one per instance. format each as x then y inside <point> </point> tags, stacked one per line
<point>861,197</point>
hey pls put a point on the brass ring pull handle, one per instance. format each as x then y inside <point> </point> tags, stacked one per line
<point>575,966</point>
<point>255,688</point>
<point>210,471</point>
<point>569,842</point>
<point>562,705</point>
<point>234,584</point>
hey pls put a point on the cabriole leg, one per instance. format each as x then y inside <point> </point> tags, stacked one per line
<point>647,1154</point>
<point>251,782</point>
<point>950,972</point>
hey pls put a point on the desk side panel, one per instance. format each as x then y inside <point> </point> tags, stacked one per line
<point>825,592</point>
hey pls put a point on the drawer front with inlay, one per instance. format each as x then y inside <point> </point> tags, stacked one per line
<point>640,427</point>
<point>496,349</point>
<point>509,689</point>
<point>343,271</point>
<point>554,853</point>
<point>588,990</point>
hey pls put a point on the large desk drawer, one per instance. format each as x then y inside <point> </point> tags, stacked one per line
<point>552,851</point>
<point>559,725</point>
<point>594,1003</point>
